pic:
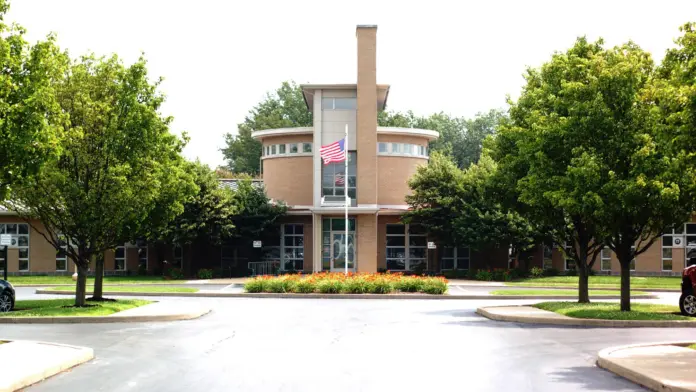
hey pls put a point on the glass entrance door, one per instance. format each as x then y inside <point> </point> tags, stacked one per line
<point>339,251</point>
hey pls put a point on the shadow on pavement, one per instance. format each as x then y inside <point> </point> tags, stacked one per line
<point>592,378</point>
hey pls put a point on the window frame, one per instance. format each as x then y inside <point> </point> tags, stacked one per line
<point>293,248</point>
<point>351,178</point>
<point>402,149</point>
<point>124,258</point>
<point>20,248</point>
<point>456,258</point>
<point>333,100</point>
<point>406,235</point>
<point>602,259</point>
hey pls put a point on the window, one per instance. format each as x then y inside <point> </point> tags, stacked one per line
<point>293,247</point>
<point>62,254</point>
<point>633,262</point>
<point>406,248</point>
<point>402,149</point>
<point>178,256</point>
<point>20,240</point>
<point>666,259</point>
<point>281,149</point>
<point>273,149</point>
<point>306,147</point>
<point>333,178</point>
<point>142,258</point>
<point>120,258</point>
<point>336,227</point>
<point>329,103</point>
<point>421,151</point>
<point>395,148</point>
<point>569,260</point>
<point>408,149</point>
<point>382,147</point>
<point>605,262</point>
<point>455,258</point>
<point>548,257</point>
<point>293,148</point>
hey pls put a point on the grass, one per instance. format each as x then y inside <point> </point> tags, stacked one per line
<point>131,289</point>
<point>604,282</point>
<point>560,292</point>
<point>63,308</point>
<point>611,311</point>
<point>693,346</point>
<point>108,280</point>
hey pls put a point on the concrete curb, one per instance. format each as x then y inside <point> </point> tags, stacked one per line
<point>570,321</point>
<point>84,354</point>
<point>222,294</point>
<point>605,362</point>
<point>656,290</point>
<point>115,318</point>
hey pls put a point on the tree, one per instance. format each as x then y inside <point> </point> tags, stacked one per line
<point>118,156</point>
<point>29,113</point>
<point>282,109</point>
<point>455,206</point>
<point>254,211</point>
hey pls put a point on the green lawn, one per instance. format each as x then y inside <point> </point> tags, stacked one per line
<point>611,311</point>
<point>560,292</point>
<point>63,308</point>
<point>604,282</point>
<point>132,289</point>
<point>28,280</point>
<point>693,346</point>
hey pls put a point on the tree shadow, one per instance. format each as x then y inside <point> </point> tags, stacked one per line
<point>593,378</point>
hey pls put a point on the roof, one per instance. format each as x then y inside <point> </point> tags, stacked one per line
<point>308,93</point>
<point>233,183</point>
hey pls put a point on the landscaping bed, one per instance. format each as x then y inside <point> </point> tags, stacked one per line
<point>612,311</point>
<point>133,289</point>
<point>338,283</point>
<point>65,308</point>
<point>561,292</point>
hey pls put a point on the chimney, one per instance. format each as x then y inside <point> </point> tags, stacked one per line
<point>366,117</point>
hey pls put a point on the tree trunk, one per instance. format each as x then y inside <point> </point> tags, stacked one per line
<point>625,286</point>
<point>81,285</point>
<point>98,292</point>
<point>583,283</point>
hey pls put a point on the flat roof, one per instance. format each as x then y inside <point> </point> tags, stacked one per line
<point>308,93</point>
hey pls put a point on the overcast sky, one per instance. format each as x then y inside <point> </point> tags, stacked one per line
<point>219,58</point>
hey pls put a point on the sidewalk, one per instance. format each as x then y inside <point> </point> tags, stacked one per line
<point>659,367</point>
<point>25,363</point>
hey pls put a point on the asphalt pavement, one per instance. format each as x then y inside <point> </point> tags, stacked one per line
<point>249,344</point>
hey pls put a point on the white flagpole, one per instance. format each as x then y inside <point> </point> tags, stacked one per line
<point>345,193</point>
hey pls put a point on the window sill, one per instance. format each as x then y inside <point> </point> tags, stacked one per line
<point>299,154</point>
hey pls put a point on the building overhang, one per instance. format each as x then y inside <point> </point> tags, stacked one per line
<point>260,135</point>
<point>309,89</point>
<point>424,133</point>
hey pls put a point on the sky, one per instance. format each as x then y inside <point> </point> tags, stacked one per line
<point>218,58</point>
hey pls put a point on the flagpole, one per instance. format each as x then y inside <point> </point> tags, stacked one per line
<point>345,193</point>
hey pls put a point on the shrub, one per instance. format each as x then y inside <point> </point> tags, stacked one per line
<point>518,273</point>
<point>409,284</point>
<point>484,275</point>
<point>471,273</point>
<point>305,286</point>
<point>330,286</point>
<point>571,272</point>
<point>450,274</point>
<point>500,275</point>
<point>205,273</point>
<point>381,285</point>
<point>285,284</point>
<point>356,285</point>
<point>434,286</point>
<point>255,285</point>
<point>536,272</point>
<point>174,273</point>
<point>551,272</point>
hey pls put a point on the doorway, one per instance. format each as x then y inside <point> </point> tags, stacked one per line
<point>334,251</point>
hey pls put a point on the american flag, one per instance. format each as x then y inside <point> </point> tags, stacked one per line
<point>340,179</point>
<point>334,152</point>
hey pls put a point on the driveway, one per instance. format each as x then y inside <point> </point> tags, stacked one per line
<point>338,345</point>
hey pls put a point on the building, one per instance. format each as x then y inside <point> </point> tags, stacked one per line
<point>312,236</point>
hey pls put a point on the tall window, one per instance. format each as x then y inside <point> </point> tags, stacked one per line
<point>293,247</point>
<point>120,258</point>
<point>62,254</point>
<point>569,260</point>
<point>548,257</point>
<point>668,242</point>
<point>20,240</point>
<point>332,247</point>
<point>178,256</point>
<point>666,259</point>
<point>329,103</point>
<point>458,258</point>
<point>605,262</point>
<point>406,247</point>
<point>334,177</point>
<point>142,257</point>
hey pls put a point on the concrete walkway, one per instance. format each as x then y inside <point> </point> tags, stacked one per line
<point>25,363</point>
<point>532,315</point>
<point>659,367</point>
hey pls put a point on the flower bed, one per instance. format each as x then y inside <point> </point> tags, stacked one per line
<point>338,283</point>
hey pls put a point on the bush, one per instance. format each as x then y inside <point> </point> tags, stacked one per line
<point>484,275</point>
<point>205,273</point>
<point>571,272</point>
<point>410,284</point>
<point>500,275</point>
<point>381,285</point>
<point>471,274</point>
<point>518,273</point>
<point>434,286</point>
<point>255,285</point>
<point>174,273</point>
<point>357,285</point>
<point>305,286</point>
<point>330,286</point>
<point>536,272</point>
<point>551,272</point>
<point>285,284</point>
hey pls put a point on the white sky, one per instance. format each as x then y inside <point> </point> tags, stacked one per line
<point>219,58</point>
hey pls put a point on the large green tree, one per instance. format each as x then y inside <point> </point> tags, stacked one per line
<point>118,158</point>
<point>255,212</point>
<point>29,112</point>
<point>283,108</point>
